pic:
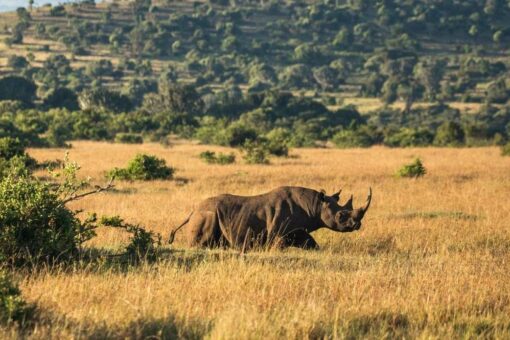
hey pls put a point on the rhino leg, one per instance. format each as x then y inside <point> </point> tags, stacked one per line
<point>204,231</point>
<point>300,239</point>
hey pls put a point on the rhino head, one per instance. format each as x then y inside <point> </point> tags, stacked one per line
<point>342,218</point>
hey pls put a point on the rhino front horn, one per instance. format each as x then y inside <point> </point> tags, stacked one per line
<point>369,200</point>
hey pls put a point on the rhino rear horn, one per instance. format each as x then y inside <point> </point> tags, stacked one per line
<point>349,205</point>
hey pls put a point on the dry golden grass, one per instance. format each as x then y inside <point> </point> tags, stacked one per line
<point>431,261</point>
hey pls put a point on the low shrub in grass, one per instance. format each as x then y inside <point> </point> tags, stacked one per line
<point>143,168</point>
<point>128,138</point>
<point>210,157</point>
<point>505,149</point>
<point>143,244</point>
<point>412,170</point>
<point>255,153</point>
<point>12,306</point>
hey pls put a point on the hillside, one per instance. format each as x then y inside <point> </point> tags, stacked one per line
<point>309,68</point>
<point>344,48</point>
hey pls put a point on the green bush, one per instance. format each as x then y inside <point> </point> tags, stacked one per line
<point>35,224</point>
<point>412,170</point>
<point>407,137</point>
<point>143,244</point>
<point>255,153</point>
<point>128,138</point>
<point>359,137</point>
<point>278,141</point>
<point>143,168</point>
<point>12,305</point>
<point>505,149</point>
<point>211,157</point>
<point>449,134</point>
<point>13,158</point>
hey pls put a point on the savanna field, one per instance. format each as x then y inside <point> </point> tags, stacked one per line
<point>431,260</point>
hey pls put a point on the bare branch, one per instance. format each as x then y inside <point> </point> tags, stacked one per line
<point>98,189</point>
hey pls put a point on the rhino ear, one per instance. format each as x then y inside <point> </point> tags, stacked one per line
<point>336,196</point>
<point>322,194</point>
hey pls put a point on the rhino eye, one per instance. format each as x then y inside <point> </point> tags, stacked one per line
<point>342,217</point>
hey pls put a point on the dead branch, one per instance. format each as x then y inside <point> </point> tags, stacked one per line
<point>97,190</point>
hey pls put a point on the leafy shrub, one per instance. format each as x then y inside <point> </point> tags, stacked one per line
<point>143,245</point>
<point>13,157</point>
<point>449,134</point>
<point>353,138</point>
<point>412,170</point>
<point>255,153</point>
<point>128,138</point>
<point>35,224</point>
<point>211,157</point>
<point>145,168</point>
<point>407,137</point>
<point>278,141</point>
<point>12,305</point>
<point>237,134</point>
<point>505,150</point>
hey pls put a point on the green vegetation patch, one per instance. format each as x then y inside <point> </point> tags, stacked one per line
<point>143,168</point>
<point>412,170</point>
<point>12,306</point>
<point>211,157</point>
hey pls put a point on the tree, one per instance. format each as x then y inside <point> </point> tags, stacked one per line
<point>140,8</point>
<point>497,92</point>
<point>343,37</point>
<point>326,77</point>
<point>104,99</point>
<point>23,14</point>
<point>429,74</point>
<point>17,88</point>
<point>62,98</point>
<point>180,99</point>
<point>449,134</point>
<point>17,62</point>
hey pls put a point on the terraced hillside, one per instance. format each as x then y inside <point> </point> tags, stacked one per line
<point>448,49</point>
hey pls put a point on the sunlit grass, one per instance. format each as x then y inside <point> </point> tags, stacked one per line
<point>430,261</point>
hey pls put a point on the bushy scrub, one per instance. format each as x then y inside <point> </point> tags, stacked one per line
<point>449,134</point>
<point>13,157</point>
<point>255,153</point>
<point>143,168</point>
<point>360,137</point>
<point>143,244</point>
<point>128,138</point>
<point>278,141</point>
<point>408,137</point>
<point>505,150</point>
<point>35,224</point>
<point>12,305</point>
<point>212,157</point>
<point>412,170</point>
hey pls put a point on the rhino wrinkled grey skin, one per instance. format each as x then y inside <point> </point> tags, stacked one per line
<point>284,217</point>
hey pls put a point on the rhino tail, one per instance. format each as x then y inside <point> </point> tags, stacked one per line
<point>175,230</point>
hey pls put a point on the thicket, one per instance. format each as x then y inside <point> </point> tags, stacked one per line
<point>277,119</point>
<point>212,157</point>
<point>143,168</point>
